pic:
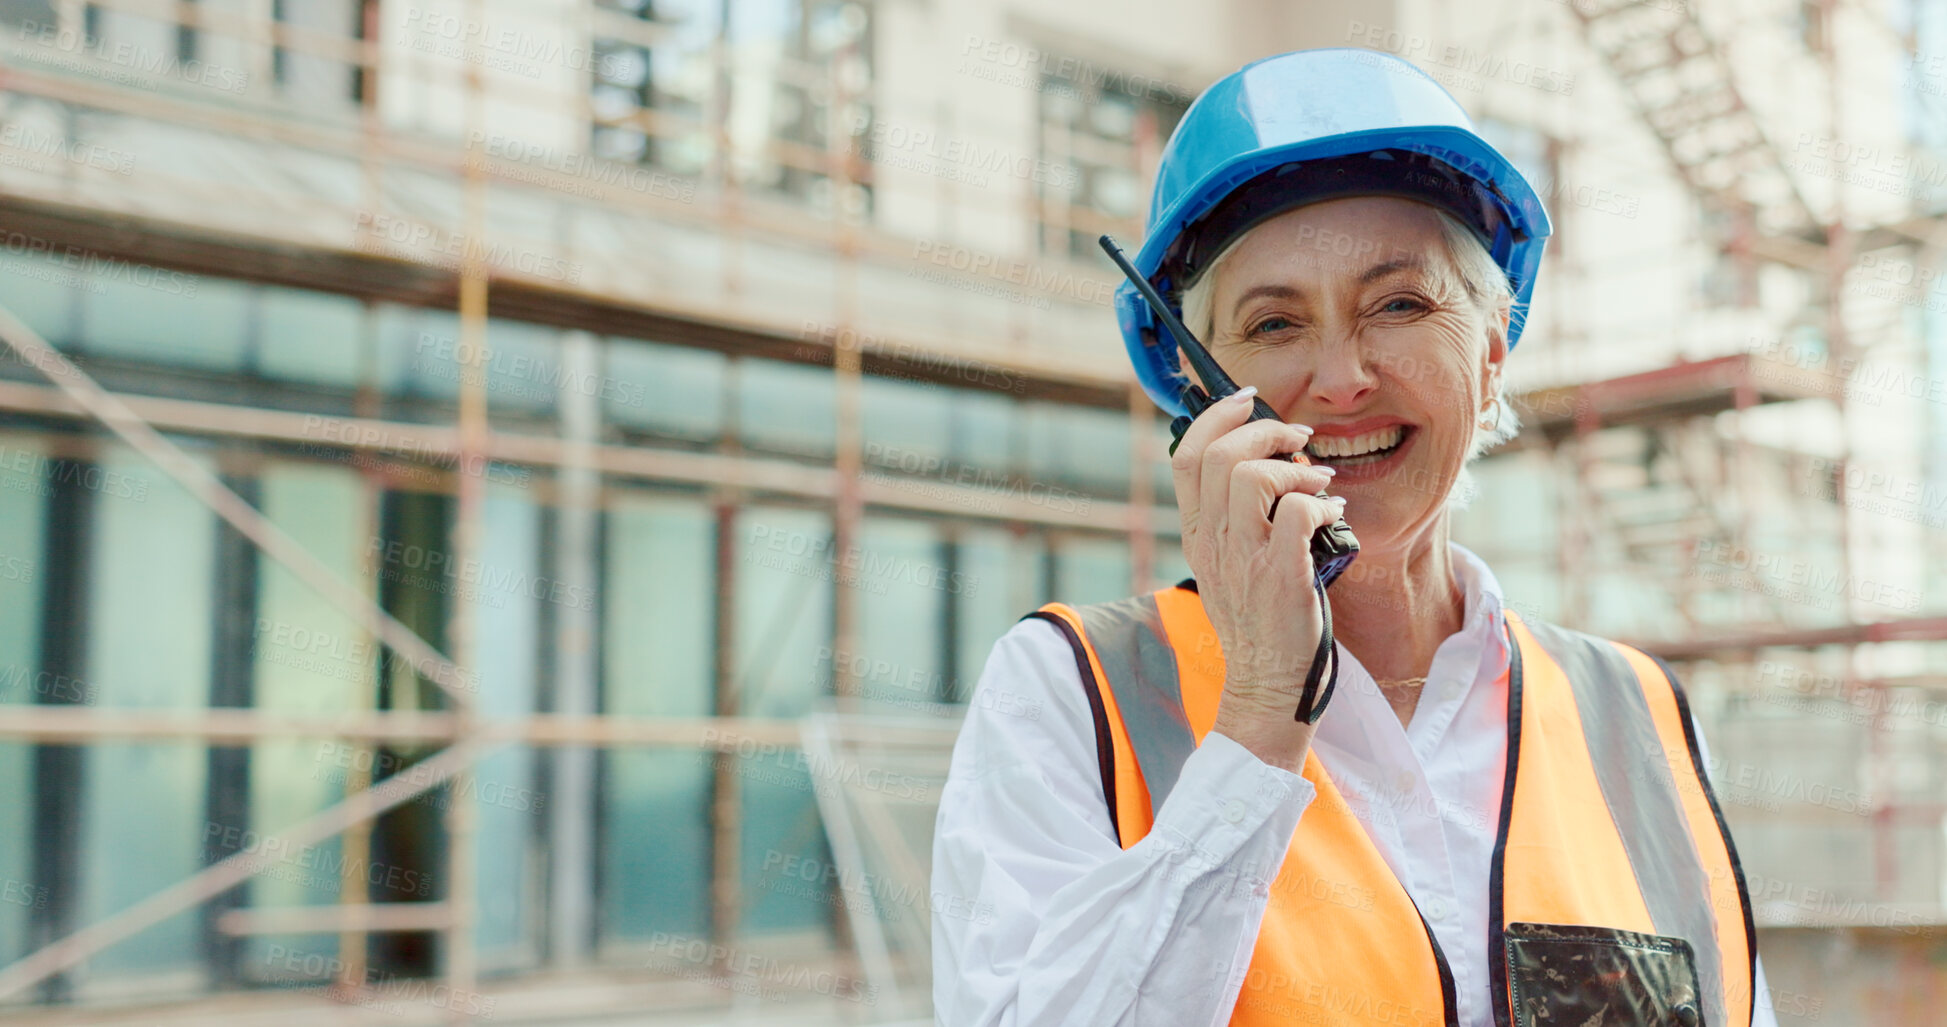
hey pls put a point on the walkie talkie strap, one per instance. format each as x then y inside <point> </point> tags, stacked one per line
<point>1311,702</point>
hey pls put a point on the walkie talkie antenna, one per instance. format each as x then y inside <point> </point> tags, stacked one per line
<point>1333,546</point>
<point>1215,381</point>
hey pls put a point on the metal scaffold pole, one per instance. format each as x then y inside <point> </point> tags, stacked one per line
<point>462,813</point>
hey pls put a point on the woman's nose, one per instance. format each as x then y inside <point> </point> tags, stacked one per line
<point>1342,378</point>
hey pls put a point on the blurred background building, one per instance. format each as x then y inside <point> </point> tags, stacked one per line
<point>683,368</point>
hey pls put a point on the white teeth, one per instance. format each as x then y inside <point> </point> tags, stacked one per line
<point>1357,445</point>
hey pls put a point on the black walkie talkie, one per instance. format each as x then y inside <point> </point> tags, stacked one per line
<point>1333,546</point>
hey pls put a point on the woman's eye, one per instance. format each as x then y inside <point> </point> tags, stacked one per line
<point>1271,324</point>
<point>1402,305</point>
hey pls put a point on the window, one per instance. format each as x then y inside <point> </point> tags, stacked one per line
<point>657,637</point>
<point>323,508</point>
<point>148,646</point>
<point>1009,571</point>
<point>1106,129</point>
<point>23,568</point>
<point>783,580</point>
<point>795,87</point>
<point>308,76</point>
<point>1091,570</point>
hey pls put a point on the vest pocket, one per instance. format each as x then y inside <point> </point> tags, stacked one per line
<point>1561,975</point>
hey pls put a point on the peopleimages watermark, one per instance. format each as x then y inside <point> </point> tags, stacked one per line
<point>920,682</point>
<point>335,762</point>
<point>1879,492</point>
<point>309,866</point>
<point>91,270</point>
<point>472,577</point>
<point>1452,61</point>
<point>508,371</point>
<point>862,887</point>
<point>1902,281</point>
<point>1812,369</point>
<point>126,57</point>
<point>750,973</point>
<point>304,648</point>
<point>586,176</point>
<point>1027,274</point>
<point>1792,578</point>
<point>1010,63</point>
<point>857,567</point>
<point>984,488</point>
<point>1831,696</point>
<point>450,251</point>
<point>389,993</point>
<point>366,435</point>
<point>1781,902</point>
<point>788,765</point>
<point>956,369</point>
<point>21,893</point>
<point>953,158</point>
<point>1869,166</point>
<point>16,568</point>
<point>499,46</point>
<point>18,682</point>
<point>50,144</point>
<point>37,474</point>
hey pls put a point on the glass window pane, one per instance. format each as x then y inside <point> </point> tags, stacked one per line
<point>984,431</point>
<point>149,634</point>
<point>784,571</point>
<point>784,624</point>
<point>907,425</point>
<point>1091,570</point>
<point>787,408</point>
<point>310,337</point>
<point>903,581</point>
<point>507,612</point>
<point>1085,448</point>
<point>525,371</point>
<point>23,510</point>
<point>167,317</point>
<point>309,658</point>
<point>416,352</point>
<point>1171,567</point>
<point>656,661</point>
<point>1009,572</point>
<point>41,293</point>
<point>669,390</point>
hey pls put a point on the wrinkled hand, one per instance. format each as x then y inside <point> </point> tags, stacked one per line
<point>1255,574</point>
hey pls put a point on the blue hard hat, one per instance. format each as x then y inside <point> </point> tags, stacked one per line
<point>1306,126</point>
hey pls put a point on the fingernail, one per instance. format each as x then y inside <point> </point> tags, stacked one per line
<point>1326,469</point>
<point>1306,428</point>
<point>1337,499</point>
<point>1244,394</point>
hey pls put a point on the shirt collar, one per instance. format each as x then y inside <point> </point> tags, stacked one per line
<point>1485,610</point>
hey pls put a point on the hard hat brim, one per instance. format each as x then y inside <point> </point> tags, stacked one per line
<point>1155,359</point>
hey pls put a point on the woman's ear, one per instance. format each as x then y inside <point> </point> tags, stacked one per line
<point>1499,322</point>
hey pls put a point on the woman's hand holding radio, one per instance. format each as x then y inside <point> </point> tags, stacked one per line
<point>1255,574</point>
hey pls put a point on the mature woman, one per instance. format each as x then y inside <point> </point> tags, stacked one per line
<point>1496,820</point>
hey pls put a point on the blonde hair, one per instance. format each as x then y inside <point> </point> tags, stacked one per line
<point>1476,274</point>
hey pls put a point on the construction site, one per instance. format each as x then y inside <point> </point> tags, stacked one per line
<point>503,502</point>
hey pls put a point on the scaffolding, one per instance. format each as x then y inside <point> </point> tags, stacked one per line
<point>1657,463</point>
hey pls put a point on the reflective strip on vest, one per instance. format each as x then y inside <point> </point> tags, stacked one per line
<point>1134,649</point>
<point>1623,743</point>
<point>1609,822</point>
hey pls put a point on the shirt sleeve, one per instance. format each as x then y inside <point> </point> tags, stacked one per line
<point>1063,925</point>
<point>1762,1012</point>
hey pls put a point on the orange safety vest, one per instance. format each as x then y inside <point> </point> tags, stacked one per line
<point>1615,894</point>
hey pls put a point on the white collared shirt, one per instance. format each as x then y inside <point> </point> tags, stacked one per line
<point>1055,923</point>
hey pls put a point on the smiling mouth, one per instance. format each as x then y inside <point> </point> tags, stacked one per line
<point>1358,450</point>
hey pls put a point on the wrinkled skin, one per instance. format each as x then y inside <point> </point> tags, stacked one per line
<point>1340,314</point>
